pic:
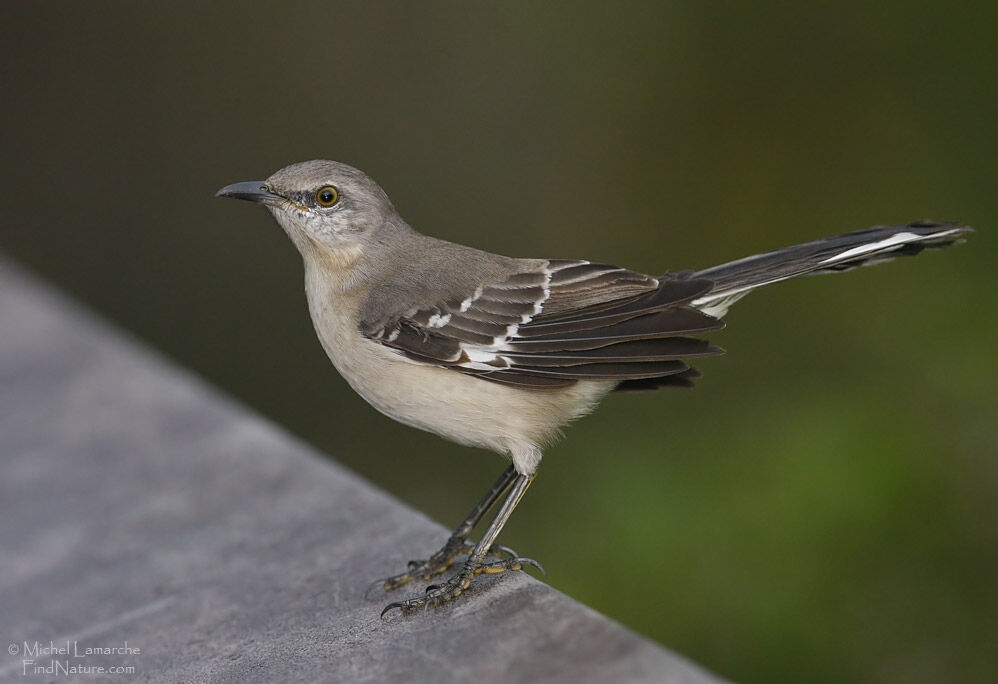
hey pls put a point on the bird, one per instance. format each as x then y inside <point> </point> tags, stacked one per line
<point>499,352</point>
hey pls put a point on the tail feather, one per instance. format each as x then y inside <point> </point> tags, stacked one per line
<point>734,280</point>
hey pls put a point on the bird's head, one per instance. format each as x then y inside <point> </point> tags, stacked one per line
<point>324,206</point>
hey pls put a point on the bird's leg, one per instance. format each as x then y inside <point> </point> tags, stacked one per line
<point>476,565</point>
<point>458,543</point>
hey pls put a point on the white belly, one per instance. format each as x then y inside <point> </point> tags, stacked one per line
<point>449,403</point>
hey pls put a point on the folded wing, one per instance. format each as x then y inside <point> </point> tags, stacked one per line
<point>551,326</point>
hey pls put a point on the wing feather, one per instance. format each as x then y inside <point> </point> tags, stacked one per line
<point>550,326</point>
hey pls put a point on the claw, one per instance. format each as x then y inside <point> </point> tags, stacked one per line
<point>531,562</point>
<point>437,564</point>
<point>377,584</point>
<point>438,594</point>
<point>498,549</point>
<point>515,563</point>
<point>392,606</point>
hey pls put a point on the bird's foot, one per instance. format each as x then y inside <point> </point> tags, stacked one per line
<point>439,594</point>
<point>437,564</point>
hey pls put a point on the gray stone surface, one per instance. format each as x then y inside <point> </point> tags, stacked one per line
<point>138,505</point>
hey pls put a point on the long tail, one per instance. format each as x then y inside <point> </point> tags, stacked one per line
<point>840,253</point>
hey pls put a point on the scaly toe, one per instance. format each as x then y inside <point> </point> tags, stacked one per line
<point>506,564</point>
<point>437,564</point>
<point>438,594</point>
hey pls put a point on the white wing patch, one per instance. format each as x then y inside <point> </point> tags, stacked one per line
<point>564,278</point>
<point>486,356</point>
<point>466,304</point>
<point>439,320</point>
<point>484,332</point>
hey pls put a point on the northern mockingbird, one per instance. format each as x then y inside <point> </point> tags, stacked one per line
<point>495,352</point>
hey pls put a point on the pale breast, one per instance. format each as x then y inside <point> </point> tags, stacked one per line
<point>446,402</point>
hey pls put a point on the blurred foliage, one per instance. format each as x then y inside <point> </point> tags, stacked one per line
<point>820,507</point>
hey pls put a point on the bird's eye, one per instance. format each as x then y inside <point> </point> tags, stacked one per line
<point>326,196</point>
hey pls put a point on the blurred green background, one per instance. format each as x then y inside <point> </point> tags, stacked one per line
<point>820,508</point>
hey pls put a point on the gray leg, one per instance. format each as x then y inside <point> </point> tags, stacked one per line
<point>476,564</point>
<point>483,506</point>
<point>457,545</point>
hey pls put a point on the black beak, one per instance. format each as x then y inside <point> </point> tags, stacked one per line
<point>252,191</point>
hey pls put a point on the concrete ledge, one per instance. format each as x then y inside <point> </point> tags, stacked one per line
<point>138,505</point>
